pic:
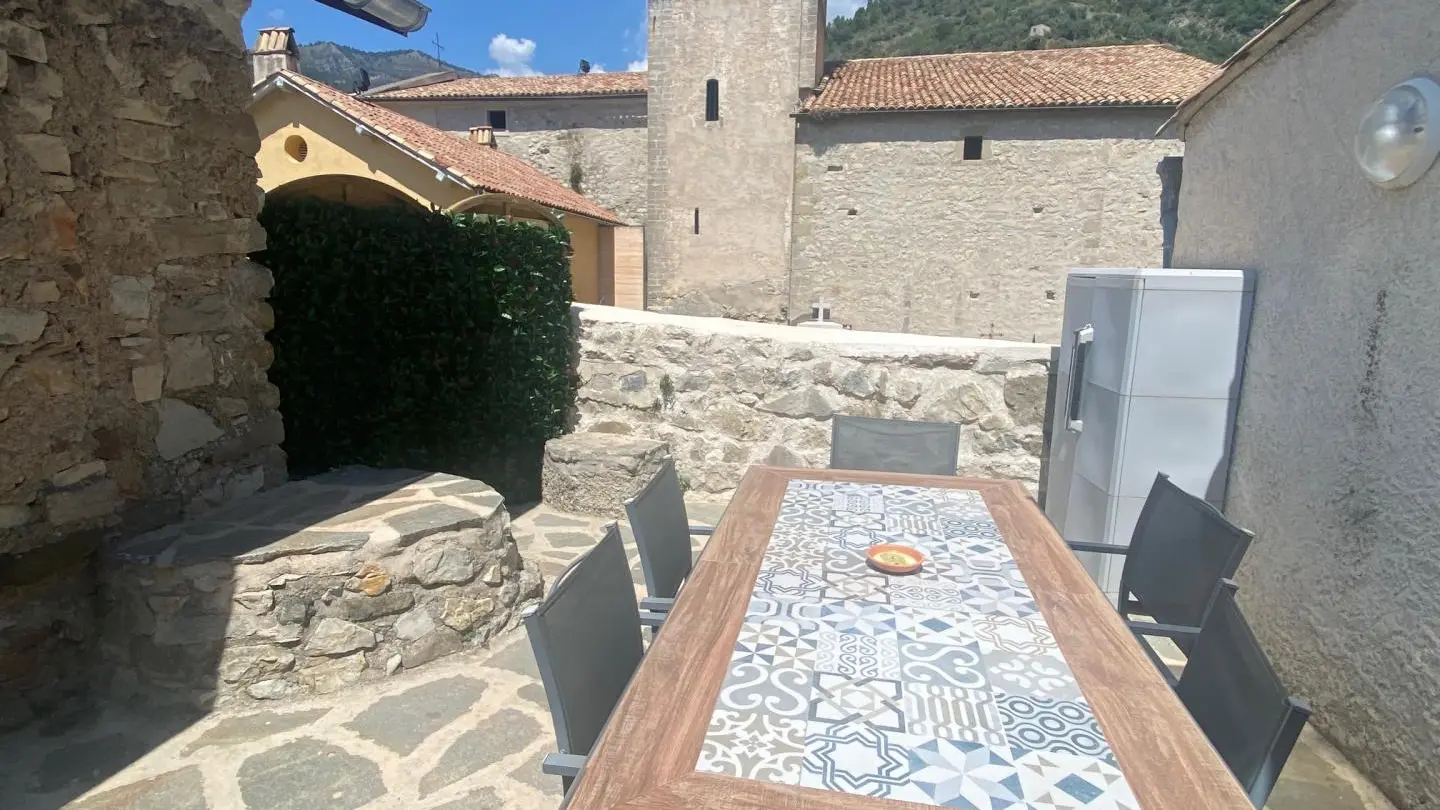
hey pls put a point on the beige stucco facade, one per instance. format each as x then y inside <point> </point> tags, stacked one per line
<point>597,141</point>
<point>340,163</point>
<point>1337,448</point>
<point>899,233</point>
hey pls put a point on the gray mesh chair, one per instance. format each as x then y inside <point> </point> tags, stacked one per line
<point>894,445</point>
<point>1181,547</point>
<point>586,639</point>
<point>1237,699</point>
<point>662,535</point>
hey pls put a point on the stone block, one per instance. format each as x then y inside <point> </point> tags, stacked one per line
<point>183,428</point>
<point>188,363</point>
<point>333,636</point>
<point>145,143</point>
<point>208,313</point>
<point>20,326</point>
<point>95,500</point>
<point>148,382</point>
<point>43,292</point>
<point>49,152</point>
<point>326,676</point>
<point>183,238</point>
<point>130,297</point>
<point>595,473</point>
<point>22,42</point>
<point>73,475</point>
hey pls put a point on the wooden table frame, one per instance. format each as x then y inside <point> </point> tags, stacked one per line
<point>645,759</point>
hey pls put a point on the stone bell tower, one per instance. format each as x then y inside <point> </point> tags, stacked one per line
<point>725,80</point>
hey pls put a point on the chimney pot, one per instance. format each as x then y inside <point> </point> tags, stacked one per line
<point>275,50</point>
<point>484,135</point>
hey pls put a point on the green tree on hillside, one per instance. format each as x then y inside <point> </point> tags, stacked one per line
<point>1210,29</point>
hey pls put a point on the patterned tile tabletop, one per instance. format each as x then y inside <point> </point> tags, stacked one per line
<point>942,688</point>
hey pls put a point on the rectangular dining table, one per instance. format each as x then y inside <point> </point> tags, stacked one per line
<point>791,675</point>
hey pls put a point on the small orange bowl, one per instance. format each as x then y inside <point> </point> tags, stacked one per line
<point>894,559</point>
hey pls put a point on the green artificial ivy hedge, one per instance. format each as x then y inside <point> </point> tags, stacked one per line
<point>406,338</point>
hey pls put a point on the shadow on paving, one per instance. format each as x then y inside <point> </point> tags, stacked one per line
<point>157,667</point>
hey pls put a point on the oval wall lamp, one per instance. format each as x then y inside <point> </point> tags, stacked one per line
<point>1398,139</point>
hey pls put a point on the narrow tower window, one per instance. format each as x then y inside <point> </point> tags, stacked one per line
<point>697,220</point>
<point>712,100</point>
<point>974,147</point>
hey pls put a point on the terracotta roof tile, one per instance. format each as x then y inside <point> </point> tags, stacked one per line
<point>483,167</point>
<point>575,84</point>
<point>1111,76</point>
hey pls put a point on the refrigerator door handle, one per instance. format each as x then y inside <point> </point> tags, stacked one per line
<point>1079,355</point>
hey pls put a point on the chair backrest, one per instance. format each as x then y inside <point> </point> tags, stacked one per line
<point>586,638</point>
<point>1237,699</point>
<point>1181,548</point>
<point>662,532</point>
<point>894,445</point>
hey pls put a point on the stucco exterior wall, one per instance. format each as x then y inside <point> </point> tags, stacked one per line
<point>604,138</point>
<point>737,171</point>
<point>1337,447</point>
<point>132,351</point>
<point>899,233</point>
<point>585,261</point>
<point>335,148</point>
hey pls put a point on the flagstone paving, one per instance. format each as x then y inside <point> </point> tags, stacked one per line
<point>466,732</point>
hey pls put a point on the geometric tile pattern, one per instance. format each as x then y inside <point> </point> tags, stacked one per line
<point>943,688</point>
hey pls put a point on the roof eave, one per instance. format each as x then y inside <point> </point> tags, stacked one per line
<point>280,81</point>
<point>1291,19</point>
<point>532,97</point>
<point>826,112</point>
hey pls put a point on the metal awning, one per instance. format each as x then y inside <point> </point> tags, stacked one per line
<point>401,16</point>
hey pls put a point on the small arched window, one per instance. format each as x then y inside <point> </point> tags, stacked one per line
<point>712,100</point>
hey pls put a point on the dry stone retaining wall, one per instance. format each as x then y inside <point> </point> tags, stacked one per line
<point>311,587</point>
<point>727,394</point>
<point>132,357</point>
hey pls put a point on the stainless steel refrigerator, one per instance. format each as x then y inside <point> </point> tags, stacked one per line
<point>1148,381</point>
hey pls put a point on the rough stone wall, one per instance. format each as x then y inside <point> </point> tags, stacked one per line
<point>727,394</point>
<point>1337,445</point>
<point>736,171</point>
<point>899,233</point>
<point>602,138</point>
<point>132,358</point>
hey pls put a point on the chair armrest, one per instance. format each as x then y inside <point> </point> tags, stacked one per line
<point>648,619</point>
<point>701,531</point>
<point>562,764</point>
<point>1166,630</point>
<point>657,604</point>
<point>1098,548</point>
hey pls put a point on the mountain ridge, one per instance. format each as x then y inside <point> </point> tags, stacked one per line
<point>1209,29</point>
<point>339,65</point>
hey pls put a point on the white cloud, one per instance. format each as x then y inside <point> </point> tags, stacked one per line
<point>843,8</point>
<point>637,44</point>
<point>512,56</point>
<point>598,68</point>
<point>276,15</point>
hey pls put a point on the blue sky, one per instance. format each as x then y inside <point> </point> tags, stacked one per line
<point>538,36</point>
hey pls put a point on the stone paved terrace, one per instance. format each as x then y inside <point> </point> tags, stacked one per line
<point>465,732</point>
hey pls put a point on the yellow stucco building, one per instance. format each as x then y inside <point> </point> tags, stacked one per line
<point>320,142</point>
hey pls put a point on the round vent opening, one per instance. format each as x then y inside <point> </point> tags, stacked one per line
<point>296,148</point>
